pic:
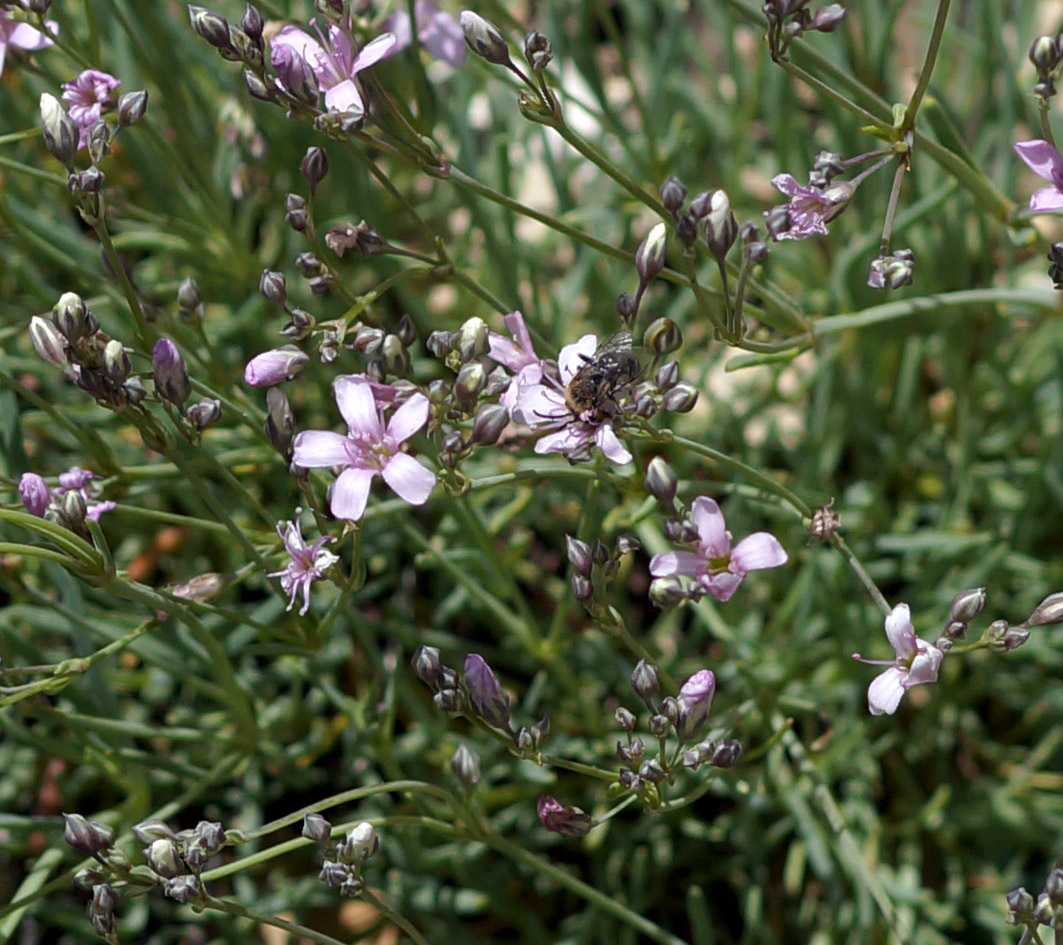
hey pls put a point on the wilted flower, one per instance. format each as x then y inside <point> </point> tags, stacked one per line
<point>718,567</point>
<point>307,563</point>
<point>88,95</point>
<point>332,61</point>
<point>916,662</point>
<point>809,209</point>
<point>567,821</point>
<point>437,31</point>
<point>369,449</point>
<point>1045,161</point>
<point>22,36</point>
<point>543,405</point>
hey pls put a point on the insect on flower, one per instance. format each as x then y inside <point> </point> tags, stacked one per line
<point>591,394</point>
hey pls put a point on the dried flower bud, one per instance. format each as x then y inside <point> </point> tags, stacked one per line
<point>661,481</point>
<point>59,131</point>
<point>488,699</point>
<point>168,369</point>
<point>825,522</point>
<point>673,193</point>
<point>466,766</point>
<point>316,827</point>
<point>48,342</point>
<point>484,38</point>
<point>488,424</point>
<point>1048,613</point>
<point>557,818</point>
<point>86,836</point>
<point>537,50</point>
<point>649,257</point>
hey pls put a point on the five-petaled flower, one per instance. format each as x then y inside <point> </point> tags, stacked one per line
<point>22,36</point>
<point>809,209</point>
<point>915,662</point>
<point>369,449</point>
<point>332,61</point>
<point>539,402</point>
<point>88,95</point>
<point>1045,161</point>
<point>307,563</point>
<point>718,568</point>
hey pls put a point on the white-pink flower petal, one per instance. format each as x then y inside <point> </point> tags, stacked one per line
<point>758,551</point>
<point>411,481</point>
<point>315,448</point>
<point>350,493</point>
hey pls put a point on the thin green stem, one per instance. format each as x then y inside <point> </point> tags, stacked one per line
<point>392,916</point>
<point>145,334</point>
<point>936,34</point>
<point>266,918</point>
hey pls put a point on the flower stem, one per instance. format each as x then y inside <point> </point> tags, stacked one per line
<point>936,33</point>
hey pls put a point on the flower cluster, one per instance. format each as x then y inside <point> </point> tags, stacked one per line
<point>72,500</point>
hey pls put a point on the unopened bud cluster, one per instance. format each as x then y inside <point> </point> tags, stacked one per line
<point>788,19</point>
<point>1046,54</point>
<point>681,717</point>
<point>476,691</point>
<point>342,864</point>
<point>1000,635</point>
<point>595,565</point>
<point>1046,910</point>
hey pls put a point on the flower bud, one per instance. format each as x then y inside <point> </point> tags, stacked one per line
<point>280,422</point>
<point>361,843</point>
<point>71,317</point>
<point>471,340</point>
<point>626,307</point>
<point>168,369</point>
<point>631,754</point>
<point>34,493</point>
<point>567,821</point>
<point>694,701</point>
<point>721,228</point>
<point>663,336</point>
<point>667,592</point>
<point>101,910</point>
<point>273,286</point>
<point>649,257</point>
<point>48,342</point>
<point>666,376</point>
<point>450,701</point>
<point>488,699</point>
<point>189,296</point>
<point>333,874</point>
<point>212,27</point>
<point>164,858</point>
<point>86,836</point>
<point>686,230</point>
<point>59,131</point>
<point>626,544</point>
<point>701,205</point>
<point>826,19</point>
<point>661,481</point>
<point>183,889</point>
<point>484,38</point>
<point>579,555</point>
<point>316,827</point>
<point>466,766</point>
<point>581,587</point>
<point>1044,54</point>
<point>406,331</point>
<point>660,725</point>
<point>488,424</point>
<point>472,377</point>
<point>967,605</point>
<point>115,362</point>
<point>652,771</point>
<point>314,166</point>
<point>537,50</point>
<point>625,718</point>
<point>1020,906</point>
<point>1048,613</point>
<point>131,107</point>
<point>673,193</point>
<point>148,831</point>
<point>726,754</point>
<point>252,24</point>
<point>204,413</point>
<point>681,398</point>
<point>427,664</point>
<point>644,681</point>
<point>274,367</point>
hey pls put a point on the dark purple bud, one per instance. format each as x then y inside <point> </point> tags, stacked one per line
<point>183,889</point>
<point>333,874</point>
<point>101,910</point>
<point>661,481</point>
<point>626,544</point>
<point>273,286</point>
<point>487,697</point>
<point>581,587</point>
<point>484,38</point>
<point>666,376</point>
<point>721,228</point>
<point>726,753</point>
<point>86,836</point>
<point>314,166</point>
<point>1020,906</point>
<point>212,27</point>
<point>406,331</point>
<point>427,664</point>
<point>649,257</point>
<point>626,307</point>
<point>439,344</point>
<point>148,831</point>
<point>686,230</point>
<point>537,50</point>
<point>652,771</point>
<point>659,725</point>
<point>252,23</point>
<point>955,630</point>
<point>1044,54</point>
<point>274,367</point>
<point>71,317</point>
<point>256,88</point>
<point>131,107</point>
<point>201,415</point>
<point>701,204</point>
<point>567,821</point>
<point>579,555</point>
<point>316,827</point>
<point>967,605</point>
<point>673,193</point>
<point>466,766</point>
<point>210,835</point>
<point>625,718</point>
<point>168,369</point>
<point>471,380</point>
<point>280,421</point>
<point>488,424</point>
<point>826,19</point>
<point>450,701</point>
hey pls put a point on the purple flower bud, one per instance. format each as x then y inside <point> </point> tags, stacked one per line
<point>131,107</point>
<point>579,555</point>
<point>488,424</point>
<point>148,831</point>
<point>333,874</point>
<point>644,681</point>
<point>275,367</point>
<point>484,38</point>
<point>280,422</point>
<point>101,910</point>
<point>204,413</point>
<point>86,836</point>
<point>1020,906</point>
<point>1048,613</point>
<point>661,481</point>
<point>35,494</point>
<point>721,228</point>
<point>625,718</point>
<point>537,50</point>
<point>164,858</point>
<point>183,889</point>
<point>673,193</point>
<point>488,699</point>
<point>316,827</point>
<point>168,369</point>
<point>726,753</point>
<point>252,23</point>
<point>567,821</point>
<point>694,702</point>
<point>314,166</point>
<point>48,342</point>
<point>273,286</point>
<point>826,19</point>
<point>967,605</point>
<point>681,398</point>
<point>581,587</point>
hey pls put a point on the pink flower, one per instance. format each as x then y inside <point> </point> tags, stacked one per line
<point>915,662</point>
<point>809,209</point>
<point>35,494</point>
<point>22,36</point>
<point>543,406</point>
<point>518,354</point>
<point>717,567</point>
<point>437,31</point>
<point>88,95</point>
<point>694,701</point>
<point>332,61</point>
<point>1045,161</point>
<point>307,563</point>
<point>369,449</point>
